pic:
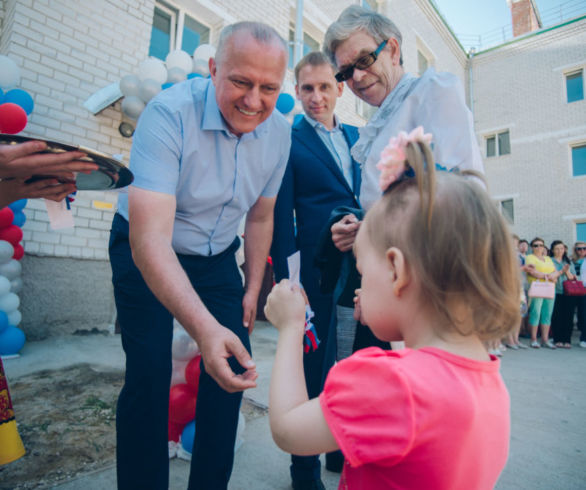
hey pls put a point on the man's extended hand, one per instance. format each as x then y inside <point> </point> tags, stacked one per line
<point>344,232</point>
<point>24,160</point>
<point>217,345</point>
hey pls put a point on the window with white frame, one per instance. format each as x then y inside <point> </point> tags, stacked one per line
<point>174,28</point>
<point>579,160</point>
<point>309,44</point>
<point>422,63</point>
<point>507,209</point>
<point>575,86</point>
<point>425,57</point>
<point>581,232</point>
<point>498,144</point>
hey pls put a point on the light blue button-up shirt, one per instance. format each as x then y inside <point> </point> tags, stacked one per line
<point>183,147</point>
<point>335,141</point>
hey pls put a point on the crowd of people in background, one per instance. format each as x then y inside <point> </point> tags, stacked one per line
<point>549,322</point>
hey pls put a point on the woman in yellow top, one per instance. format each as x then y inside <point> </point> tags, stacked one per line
<point>540,267</point>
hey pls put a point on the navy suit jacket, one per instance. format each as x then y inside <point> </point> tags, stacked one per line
<point>313,185</point>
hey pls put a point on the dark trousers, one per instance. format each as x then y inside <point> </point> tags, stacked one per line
<point>562,318</point>
<point>143,405</point>
<point>581,305</point>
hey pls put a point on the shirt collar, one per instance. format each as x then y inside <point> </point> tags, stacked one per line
<point>317,125</point>
<point>214,121</point>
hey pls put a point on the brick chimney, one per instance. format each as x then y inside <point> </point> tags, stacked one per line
<point>524,15</point>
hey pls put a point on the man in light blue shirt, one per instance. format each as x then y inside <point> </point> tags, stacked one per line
<point>205,153</point>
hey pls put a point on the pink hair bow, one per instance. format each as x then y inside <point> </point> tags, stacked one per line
<point>392,163</point>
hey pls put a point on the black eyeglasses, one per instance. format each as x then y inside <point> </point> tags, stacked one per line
<point>537,245</point>
<point>361,63</point>
<point>579,249</point>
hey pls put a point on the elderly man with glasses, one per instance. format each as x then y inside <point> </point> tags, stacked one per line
<point>366,48</point>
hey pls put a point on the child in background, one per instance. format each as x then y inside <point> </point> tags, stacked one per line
<point>438,272</point>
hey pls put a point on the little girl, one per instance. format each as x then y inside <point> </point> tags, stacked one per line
<point>438,272</point>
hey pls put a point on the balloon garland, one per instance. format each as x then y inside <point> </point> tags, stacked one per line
<point>186,362</point>
<point>155,75</point>
<point>12,218</point>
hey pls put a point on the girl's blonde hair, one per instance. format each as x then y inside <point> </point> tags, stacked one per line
<point>455,242</point>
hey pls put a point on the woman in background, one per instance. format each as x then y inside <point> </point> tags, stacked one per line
<point>562,319</point>
<point>578,258</point>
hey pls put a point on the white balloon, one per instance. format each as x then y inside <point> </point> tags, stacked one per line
<point>9,73</point>
<point>178,372</point>
<point>176,75</point>
<point>16,285</point>
<point>6,251</point>
<point>201,67</point>
<point>204,52</point>
<point>9,302</point>
<point>154,69</point>
<point>132,106</point>
<point>179,59</point>
<point>11,269</point>
<point>129,85</point>
<point>184,347</point>
<point>14,318</point>
<point>4,285</point>
<point>148,89</point>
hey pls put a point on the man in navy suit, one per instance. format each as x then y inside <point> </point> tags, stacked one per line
<point>320,176</point>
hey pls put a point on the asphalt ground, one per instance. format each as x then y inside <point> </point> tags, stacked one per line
<point>548,415</point>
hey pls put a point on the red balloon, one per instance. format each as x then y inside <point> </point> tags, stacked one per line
<point>18,252</point>
<point>6,217</point>
<point>12,234</point>
<point>13,118</point>
<point>175,431</point>
<point>182,402</point>
<point>192,371</point>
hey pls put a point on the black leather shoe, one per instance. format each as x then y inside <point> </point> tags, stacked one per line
<point>335,461</point>
<point>308,485</point>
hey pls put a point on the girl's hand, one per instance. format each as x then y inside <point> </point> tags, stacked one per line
<point>285,306</point>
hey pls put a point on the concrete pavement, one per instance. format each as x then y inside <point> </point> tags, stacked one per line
<point>548,410</point>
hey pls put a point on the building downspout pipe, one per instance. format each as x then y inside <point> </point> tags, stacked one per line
<point>298,48</point>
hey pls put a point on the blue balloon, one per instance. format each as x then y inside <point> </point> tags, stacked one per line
<point>17,205</point>
<point>11,341</point>
<point>1,96</point>
<point>20,97</point>
<point>19,219</point>
<point>193,75</point>
<point>3,321</point>
<point>285,103</point>
<point>166,85</point>
<point>187,437</point>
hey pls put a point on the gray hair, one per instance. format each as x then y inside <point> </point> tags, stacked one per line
<point>356,18</point>
<point>263,33</point>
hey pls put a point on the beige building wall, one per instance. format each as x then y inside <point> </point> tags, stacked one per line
<point>521,87</point>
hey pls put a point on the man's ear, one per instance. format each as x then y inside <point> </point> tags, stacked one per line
<point>393,45</point>
<point>213,67</point>
<point>398,269</point>
<point>297,91</point>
